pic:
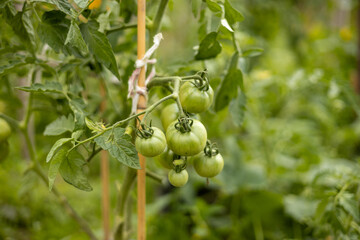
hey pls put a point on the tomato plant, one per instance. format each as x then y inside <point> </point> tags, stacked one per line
<point>150,142</point>
<point>196,96</point>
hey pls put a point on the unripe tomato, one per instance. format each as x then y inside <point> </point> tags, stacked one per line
<point>187,143</point>
<point>195,100</point>
<point>4,150</point>
<point>5,130</point>
<point>169,114</point>
<point>166,158</point>
<point>95,4</point>
<point>2,106</point>
<point>207,166</point>
<point>152,146</point>
<point>178,179</point>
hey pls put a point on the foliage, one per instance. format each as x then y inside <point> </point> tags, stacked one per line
<point>286,119</point>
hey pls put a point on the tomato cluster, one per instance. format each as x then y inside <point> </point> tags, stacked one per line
<point>185,138</point>
<point>5,132</point>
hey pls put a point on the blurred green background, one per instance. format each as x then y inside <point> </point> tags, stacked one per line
<point>291,169</point>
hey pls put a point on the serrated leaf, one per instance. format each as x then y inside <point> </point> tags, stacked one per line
<point>231,14</point>
<point>228,88</point>
<point>214,7</point>
<point>120,147</point>
<point>55,164</point>
<point>81,3</point>
<point>99,45</point>
<point>11,65</point>
<point>59,126</point>
<point>209,47</point>
<point>349,203</point>
<point>78,106</point>
<point>71,170</point>
<point>53,30</point>
<point>237,109</point>
<point>75,38</point>
<point>63,5</point>
<point>54,87</point>
<point>77,134</point>
<point>92,126</point>
<point>56,146</point>
<point>252,52</point>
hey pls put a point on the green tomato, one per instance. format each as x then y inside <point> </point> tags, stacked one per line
<point>178,179</point>
<point>153,146</point>
<point>166,159</point>
<point>207,166</point>
<point>169,114</point>
<point>5,130</point>
<point>4,150</point>
<point>188,143</point>
<point>193,99</point>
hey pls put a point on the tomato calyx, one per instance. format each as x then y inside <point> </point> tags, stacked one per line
<point>179,164</point>
<point>211,149</point>
<point>202,83</point>
<point>184,124</point>
<point>144,131</point>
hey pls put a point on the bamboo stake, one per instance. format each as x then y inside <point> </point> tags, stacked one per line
<point>141,174</point>
<point>104,161</point>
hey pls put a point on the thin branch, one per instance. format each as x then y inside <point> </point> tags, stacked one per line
<point>120,28</point>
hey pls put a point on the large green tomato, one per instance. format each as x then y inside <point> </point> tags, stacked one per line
<point>166,159</point>
<point>5,130</point>
<point>188,143</point>
<point>169,114</point>
<point>195,100</point>
<point>153,146</point>
<point>178,179</point>
<point>4,150</point>
<point>207,166</point>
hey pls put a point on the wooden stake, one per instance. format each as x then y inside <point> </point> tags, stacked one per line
<point>141,174</point>
<point>104,160</point>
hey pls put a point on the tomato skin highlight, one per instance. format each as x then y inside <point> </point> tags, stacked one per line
<point>5,130</point>
<point>195,100</point>
<point>153,146</point>
<point>178,179</point>
<point>169,114</point>
<point>188,143</point>
<point>166,159</point>
<point>95,4</point>
<point>207,166</point>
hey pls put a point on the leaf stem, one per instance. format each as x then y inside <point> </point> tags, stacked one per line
<point>153,106</point>
<point>157,20</point>
<point>120,28</point>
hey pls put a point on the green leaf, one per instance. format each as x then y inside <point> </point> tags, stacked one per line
<point>22,26</point>
<point>71,170</point>
<point>252,52</point>
<point>55,165</point>
<point>209,47</point>
<point>349,203</point>
<point>81,3</point>
<point>300,208</point>
<point>78,106</point>
<point>75,38</point>
<point>231,14</point>
<point>214,7</point>
<point>11,65</point>
<point>237,109</point>
<point>63,5</point>
<point>53,30</point>
<point>119,146</point>
<point>93,126</point>
<point>54,87</point>
<point>3,3</point>
<point>56,146</point>
<point>59,126</point>
<point>195,4</point>
<point>99,45</point>
<point>228,88</point>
